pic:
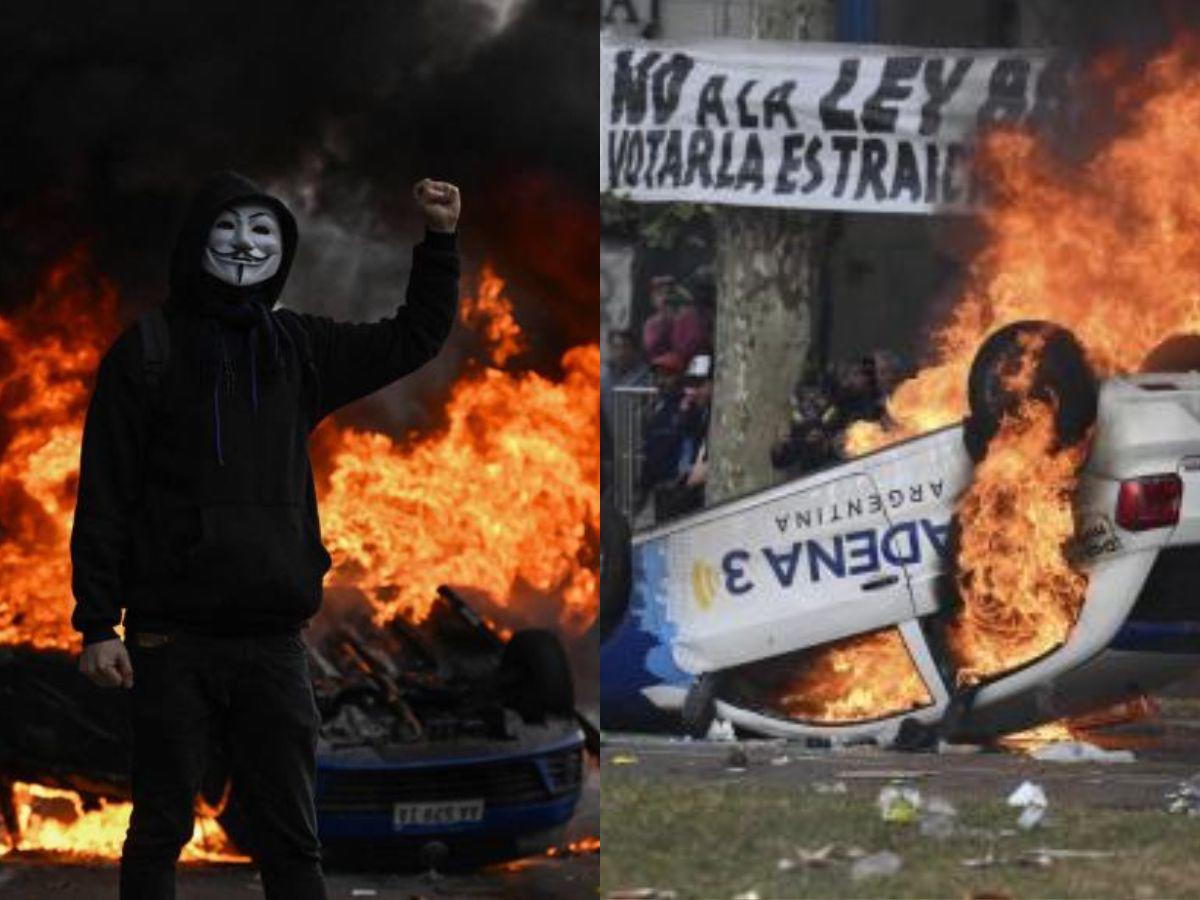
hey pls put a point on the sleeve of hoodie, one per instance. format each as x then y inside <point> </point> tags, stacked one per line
<point>110,484</point>
<point>357,359</point>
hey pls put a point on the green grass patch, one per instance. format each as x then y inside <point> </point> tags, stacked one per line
<point>721,839</point>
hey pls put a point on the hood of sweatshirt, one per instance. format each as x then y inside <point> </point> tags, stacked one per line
<point>190,284</point>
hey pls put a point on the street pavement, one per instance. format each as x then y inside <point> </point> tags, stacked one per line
<point>1166,751</point>
<point>25,877</point>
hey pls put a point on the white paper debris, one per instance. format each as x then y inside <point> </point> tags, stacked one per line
<point>721,730</point>
<point>1081,751</point>
<point>877,865</point>
<point>1185,798</point>
<point>1031,800</point>
<point>899,804</point>
<point>938,818</point>
<point>829,787</point>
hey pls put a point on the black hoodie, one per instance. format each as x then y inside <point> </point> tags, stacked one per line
<point>196,508</point>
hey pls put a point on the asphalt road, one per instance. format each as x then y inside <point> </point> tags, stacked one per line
<point>1166,751</point>
<point>24,877</point>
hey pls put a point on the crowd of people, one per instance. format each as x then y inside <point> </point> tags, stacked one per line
<point>675,436</point>
<point>824,406</point>
<point>674,355</point>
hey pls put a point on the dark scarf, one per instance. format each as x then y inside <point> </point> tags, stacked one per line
<point>227,308</point>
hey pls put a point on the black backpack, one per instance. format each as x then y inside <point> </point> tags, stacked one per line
<point>156,349</point>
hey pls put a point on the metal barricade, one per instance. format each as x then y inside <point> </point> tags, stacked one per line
<point>630,407</point>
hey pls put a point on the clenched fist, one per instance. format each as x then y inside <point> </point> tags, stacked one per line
<point>440,203</point>
<point>107,664</point>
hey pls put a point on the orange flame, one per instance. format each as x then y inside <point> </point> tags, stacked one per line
<point>49,352</point>
<point>504,500</point>
<point>1108,249</point>
<point>55,821</point>
<point>582,847</point>
<point>1020,597</point>
<point>855,679</point>
<point>490,313</point>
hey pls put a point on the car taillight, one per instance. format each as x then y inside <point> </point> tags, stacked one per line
<point>1149,502</point>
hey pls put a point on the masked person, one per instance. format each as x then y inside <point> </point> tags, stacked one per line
<point>197,514</point>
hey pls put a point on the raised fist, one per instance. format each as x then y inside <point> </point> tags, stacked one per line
<point>440,203</point>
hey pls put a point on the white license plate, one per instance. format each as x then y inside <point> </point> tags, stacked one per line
<point>444,812</point>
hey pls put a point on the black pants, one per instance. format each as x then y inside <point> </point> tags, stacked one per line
<point>256,690</point>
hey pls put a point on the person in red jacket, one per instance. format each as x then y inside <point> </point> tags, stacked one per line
<point>658,330</point>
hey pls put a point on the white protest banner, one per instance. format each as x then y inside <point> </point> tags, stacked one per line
<point>815,126</point>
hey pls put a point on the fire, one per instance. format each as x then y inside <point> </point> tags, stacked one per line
<point>1106,248</point>
<point>1019,594</point>
<point>859,678</point>
<point>1089,727</point>
<point>1032,738</point>
<point>49,352</point>
<point>582,847</point>
<point>55,821</point>
<point>504,499</point>
<point>490,313</point>
<point>587,846</point>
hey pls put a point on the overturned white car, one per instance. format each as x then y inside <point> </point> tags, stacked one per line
<point>707,615</point>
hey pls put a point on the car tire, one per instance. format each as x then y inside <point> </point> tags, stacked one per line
<point>616,569</point>
<point>537,676</point>
<point>1178,353</point>
<point>1063,374</point>
<point>700,705</point>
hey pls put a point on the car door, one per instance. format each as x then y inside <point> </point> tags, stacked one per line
<point>792,567</point>
<point>920,482</point>
<point>914,487</point>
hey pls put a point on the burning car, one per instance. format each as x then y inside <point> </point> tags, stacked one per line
<point>432,735</point>
<point>847,605</point>
<point>437,738</point>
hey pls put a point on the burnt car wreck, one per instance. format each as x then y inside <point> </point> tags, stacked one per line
<point>837,607</point>
<point>441,742</point>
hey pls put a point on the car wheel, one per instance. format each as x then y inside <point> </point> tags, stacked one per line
<point>536,676</point>
<point>1178,353</point>
<point>700,705</point>
<point>1062,375</point>
<point>616,569</point>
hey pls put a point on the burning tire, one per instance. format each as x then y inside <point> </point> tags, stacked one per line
<point>536,676</point>
<point>616,569</point>
<point>1178,353</point>
<point>1062,375</point>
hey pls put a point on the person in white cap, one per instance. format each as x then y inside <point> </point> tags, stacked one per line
<point>697,407</point>
<point>686,493</point>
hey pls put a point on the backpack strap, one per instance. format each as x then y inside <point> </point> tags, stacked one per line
<point>156,349</point>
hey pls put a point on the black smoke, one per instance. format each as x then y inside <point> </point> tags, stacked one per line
<point>114,110</point>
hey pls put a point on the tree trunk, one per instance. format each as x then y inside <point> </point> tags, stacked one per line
<point>767,271</point>
<point>766,278</point>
